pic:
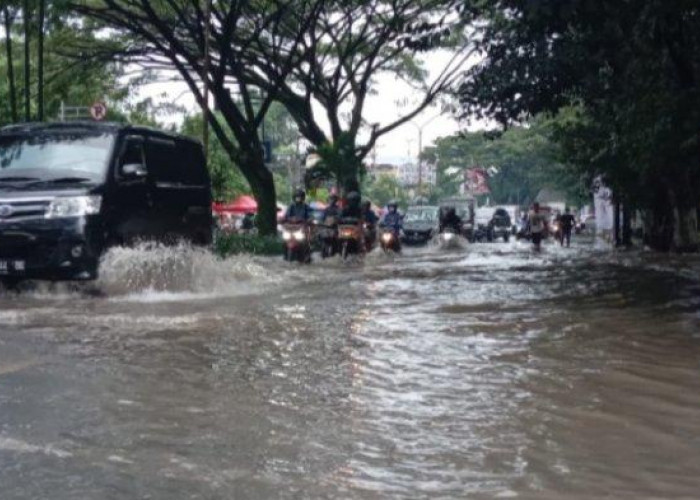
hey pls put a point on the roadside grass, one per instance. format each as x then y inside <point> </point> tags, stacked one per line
<point>227,244</point>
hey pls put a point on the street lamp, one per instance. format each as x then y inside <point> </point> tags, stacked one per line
<point>420,128</point>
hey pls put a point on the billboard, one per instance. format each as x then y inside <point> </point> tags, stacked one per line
<point>476,181</point>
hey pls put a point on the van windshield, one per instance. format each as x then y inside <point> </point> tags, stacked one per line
<point>47,156</point>
<point>427,215</point>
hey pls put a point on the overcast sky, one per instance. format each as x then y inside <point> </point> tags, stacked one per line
<point>383,106</point>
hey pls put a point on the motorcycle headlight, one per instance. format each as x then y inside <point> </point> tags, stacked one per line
<point>449,236</point>
<point>74,206</point>
<point>299,235</point>
<point>286,235</point>
<point>386,237</point>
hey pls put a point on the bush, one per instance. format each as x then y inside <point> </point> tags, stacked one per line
<point>227,244</point>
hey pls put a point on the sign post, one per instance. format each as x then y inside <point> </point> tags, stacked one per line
<point>98,111</point>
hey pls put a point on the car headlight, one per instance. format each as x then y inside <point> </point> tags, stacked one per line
<point>286,235</point>
<point>74,206</point>
<point>299,235</point>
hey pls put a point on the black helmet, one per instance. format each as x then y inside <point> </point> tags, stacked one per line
<point>367,204</point>
<point>353,198</point>
<point>300,193</point>
<point>392,203</point>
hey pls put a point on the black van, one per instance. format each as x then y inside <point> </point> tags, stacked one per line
<point>68,191</point>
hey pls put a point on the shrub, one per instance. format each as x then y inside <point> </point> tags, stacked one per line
<point>227,244</point>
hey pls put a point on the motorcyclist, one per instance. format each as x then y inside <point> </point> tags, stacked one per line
<point>370,220</point>
<point>451,221</point>
<point>333,210</point>
<point>392,218</point>
<point>368,214</point>
<point>298,210</point>
<point>352,209</point>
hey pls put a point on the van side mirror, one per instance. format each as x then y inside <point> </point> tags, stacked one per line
<point>134,171</point>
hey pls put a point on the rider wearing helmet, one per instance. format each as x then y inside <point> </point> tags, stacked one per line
<point>298,210</point>
<point>332,211</point>
<point>451,221</point>
<point>352,208</point>
<point>368,214</point>
<point>392,218</point>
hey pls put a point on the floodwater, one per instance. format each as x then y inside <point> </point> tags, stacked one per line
<point>486,372</point>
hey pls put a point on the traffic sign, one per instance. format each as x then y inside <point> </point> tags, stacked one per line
<point>98,111</point>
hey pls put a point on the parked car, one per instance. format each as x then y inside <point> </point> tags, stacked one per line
<point>69,191</point>
<point>420,224</point>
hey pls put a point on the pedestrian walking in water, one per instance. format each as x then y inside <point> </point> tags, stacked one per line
<point>567,223</point>
<point>538,225</point>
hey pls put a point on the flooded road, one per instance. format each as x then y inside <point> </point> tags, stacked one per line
<point>490,372</point>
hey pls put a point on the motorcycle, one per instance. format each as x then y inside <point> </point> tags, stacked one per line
<point>449,238</point>
<point>389,241</point>
<point>297,243</point>
<point>556,231</point>
<point>328,238</point>
<point>370,234</point>
<point>350,239</point>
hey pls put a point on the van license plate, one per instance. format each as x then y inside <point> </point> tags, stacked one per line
<point>12,267</point>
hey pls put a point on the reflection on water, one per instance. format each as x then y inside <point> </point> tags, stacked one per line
<point>486,372</point>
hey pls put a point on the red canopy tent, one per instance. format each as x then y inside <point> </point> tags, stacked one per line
<point>241,205</point>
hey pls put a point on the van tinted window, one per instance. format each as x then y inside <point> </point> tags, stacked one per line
<point>132,151</point>
<point>194,170</point>
<point>163,160</point>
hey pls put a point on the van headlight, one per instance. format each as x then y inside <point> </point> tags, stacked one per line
<point>74,206</point>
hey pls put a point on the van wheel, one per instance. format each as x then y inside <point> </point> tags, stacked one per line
<point>10,283</point>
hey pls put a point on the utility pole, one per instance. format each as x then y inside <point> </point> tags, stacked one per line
<point>420,128</point>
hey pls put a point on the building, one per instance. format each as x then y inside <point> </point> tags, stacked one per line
<point>409,174</point>
<point>383,170</point>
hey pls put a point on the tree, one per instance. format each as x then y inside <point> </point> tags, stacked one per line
<point>60,76</point>
<point>348,47</point>
<point>632,72</point>
<point>166,35</point>
<point>8,21</point>
<point>385,188</point>
<point>526,158</point>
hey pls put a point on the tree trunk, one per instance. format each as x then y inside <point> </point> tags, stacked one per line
<point>685,230</point>
<point>27,64</point>
<point>262,184</point>
<point>673,222</point>
<point>10,65</point>
<point>626,225</point>
<point>40,62</point>
<point>616,223</point>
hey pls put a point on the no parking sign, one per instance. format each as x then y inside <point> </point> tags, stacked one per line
<point>98,111</point>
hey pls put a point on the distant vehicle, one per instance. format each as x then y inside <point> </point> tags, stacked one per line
<point>482,224</point>
<point>515,215</point>
<point>420,224</point>
<point>69,191</point>
<point>500,225</point>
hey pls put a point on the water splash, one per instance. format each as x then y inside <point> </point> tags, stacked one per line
<point>171,271</point>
